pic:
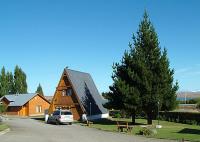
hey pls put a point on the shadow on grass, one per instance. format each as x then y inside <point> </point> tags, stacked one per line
<point>189,131</point>
<point>112,122</point>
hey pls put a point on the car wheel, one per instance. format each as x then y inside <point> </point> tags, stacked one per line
<point>70,123</point>
<point>57,122</point>
<point>48,122</point>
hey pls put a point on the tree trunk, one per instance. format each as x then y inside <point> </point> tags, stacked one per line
<point>149,118</point>
<point>133,117</point>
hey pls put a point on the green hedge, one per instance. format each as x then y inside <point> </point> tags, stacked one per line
<point>181,117</point>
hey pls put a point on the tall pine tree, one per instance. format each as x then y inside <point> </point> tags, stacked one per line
<point>123,93</point>
<point>3,83</point>
<point>143,79</point>
<point>10,82</point>
<point>168,101</point>
<point>20,84</point>
<point>156,78</point>
<point>39,90</point>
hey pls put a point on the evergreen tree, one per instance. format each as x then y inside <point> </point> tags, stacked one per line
<point>39,90</point>
<point>123,94</point>
<point>20,85</point>
<point>149,55</point>
<point>168,101</point>
<point>143,79</point>
<point>114,99</point>
<point>10,82</point>
<point>3,83</point>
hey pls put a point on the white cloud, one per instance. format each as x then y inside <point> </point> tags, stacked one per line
<point>183,70</point>
<point>188,71</point>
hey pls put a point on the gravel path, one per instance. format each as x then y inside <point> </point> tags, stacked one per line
<point>28,130</point>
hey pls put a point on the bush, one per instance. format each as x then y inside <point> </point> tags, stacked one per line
<point>147,131</point>
<point>198,105</point>
<point>181,117</point>
<point>117,115</point>
<point>1,119</point>
<point>2,108</point>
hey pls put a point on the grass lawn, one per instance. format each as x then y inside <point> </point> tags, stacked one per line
<point>170,130</point>
<point>3,127</point>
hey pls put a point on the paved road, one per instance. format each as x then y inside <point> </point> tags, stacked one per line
<point>28,130</point>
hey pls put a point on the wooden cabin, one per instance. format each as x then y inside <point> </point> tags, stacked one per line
<point>76,91</point>
<point>25,104</point>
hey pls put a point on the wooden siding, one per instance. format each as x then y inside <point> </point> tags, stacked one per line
<point>13,110</point>
<point>34,102</point>
<point>66,102</point>
<point>5,102</point>
<point>29,109</point>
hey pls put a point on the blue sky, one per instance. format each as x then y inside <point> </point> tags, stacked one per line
<point>44,36</point>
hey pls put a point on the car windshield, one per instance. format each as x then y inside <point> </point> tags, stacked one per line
<point>66,113</point>
<point>56,113</point>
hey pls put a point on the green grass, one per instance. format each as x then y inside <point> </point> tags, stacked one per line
<point>3,127</point>
<point>170,130</point>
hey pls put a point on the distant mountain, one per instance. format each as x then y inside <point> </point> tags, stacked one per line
<point>188,95</point>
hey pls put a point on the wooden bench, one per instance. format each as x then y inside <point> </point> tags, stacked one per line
<point>124,125</point>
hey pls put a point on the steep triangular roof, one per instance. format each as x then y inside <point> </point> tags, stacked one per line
<point>86,91</point>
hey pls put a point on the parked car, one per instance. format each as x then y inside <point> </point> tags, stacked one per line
<point>61,117</point>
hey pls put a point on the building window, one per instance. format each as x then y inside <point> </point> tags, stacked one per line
<point>69,92</point>
<point>38,109</point>
<point>63,92</point>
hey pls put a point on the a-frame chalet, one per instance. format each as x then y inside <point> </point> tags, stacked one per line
<point>76,91</point>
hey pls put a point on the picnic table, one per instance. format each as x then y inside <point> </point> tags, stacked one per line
<point>124,125</point>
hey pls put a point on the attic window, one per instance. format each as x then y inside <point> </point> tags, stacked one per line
<point>69,92</point>
<point>63,92</point>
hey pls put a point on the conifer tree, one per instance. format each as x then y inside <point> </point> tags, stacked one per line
<point>143,79</point>
<point>10,82</point>
<point>3,83</point>
<point>20,85</point>
<point>123,94</point>
<point>149,54</point>
<point>39,90</point>
<point>168,100</point>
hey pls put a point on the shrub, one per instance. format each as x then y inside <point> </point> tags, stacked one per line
<point>181,117</point>
<point>1,120</point>
<point>147,131</point>
<point>117,115</point>
<point>198,105</point>
<point>2,108</point>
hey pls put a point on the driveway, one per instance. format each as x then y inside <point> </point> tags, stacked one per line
<point>29,130</point>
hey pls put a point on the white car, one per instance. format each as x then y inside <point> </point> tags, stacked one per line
<point>61,117</point>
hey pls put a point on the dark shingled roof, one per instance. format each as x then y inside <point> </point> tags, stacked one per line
<point>87,92</point>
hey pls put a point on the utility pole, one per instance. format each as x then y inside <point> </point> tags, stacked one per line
<point>158,113</point>
<point>185,98</point>
<point>90,108</point>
